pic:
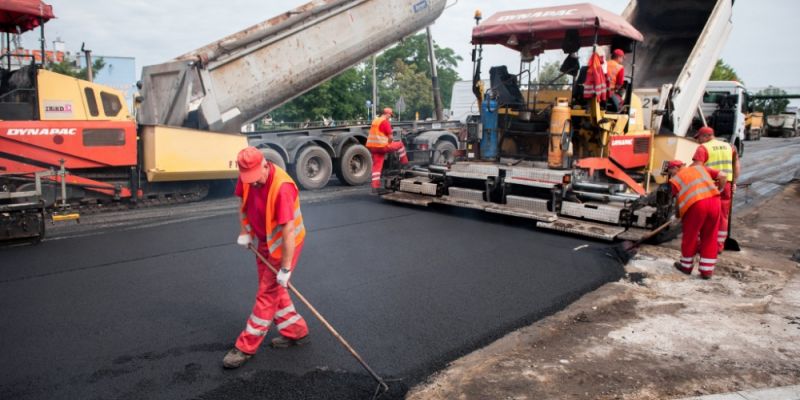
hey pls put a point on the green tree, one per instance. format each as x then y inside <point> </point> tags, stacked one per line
<point>551,76</point>
<point>724,72</point>
<point>341,98</point>
<point>770,106</point>
<point>414,51</point>
<point>413,86</point>
<point>66,67</point>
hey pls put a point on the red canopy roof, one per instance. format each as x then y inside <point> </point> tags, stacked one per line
<point>18,16</point>
<point>545,28</point>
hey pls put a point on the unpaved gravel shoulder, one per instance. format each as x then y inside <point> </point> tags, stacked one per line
<point>658,334</point>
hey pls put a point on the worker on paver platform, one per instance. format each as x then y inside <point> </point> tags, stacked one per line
<point>380,143</point>
<point>721,156</point>
<point>697,197</point>
<point>270,214</point>
<point>616,78</point>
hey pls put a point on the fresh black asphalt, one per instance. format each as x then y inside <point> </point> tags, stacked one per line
<point>148,313</point>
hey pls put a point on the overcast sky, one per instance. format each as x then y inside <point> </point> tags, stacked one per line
<point>763,47</point>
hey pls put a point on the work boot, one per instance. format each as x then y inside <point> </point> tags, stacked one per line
<point>235,358</point>
<point>282,342</point>
<point>680,267</point>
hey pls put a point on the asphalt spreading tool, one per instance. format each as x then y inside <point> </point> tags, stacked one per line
<point>627,249</point>
<point>382,386</point>
<point>731,243</point>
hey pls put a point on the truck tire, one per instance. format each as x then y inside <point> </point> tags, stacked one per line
<point>312,168</point>
<point>273,156</point>
<point>355,165</point>
<point>443,153</point>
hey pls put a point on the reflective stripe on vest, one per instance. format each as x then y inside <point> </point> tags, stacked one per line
<point>694,184</point>
<point>720,157</point>
<point>376,138</point>
<point>275,231</point>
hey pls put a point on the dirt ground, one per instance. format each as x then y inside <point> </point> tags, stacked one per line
<point>659,334</point>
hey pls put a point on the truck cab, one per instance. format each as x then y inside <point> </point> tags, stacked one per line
<point>723,107</point>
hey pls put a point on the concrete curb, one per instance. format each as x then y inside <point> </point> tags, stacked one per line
<point>778,393</point>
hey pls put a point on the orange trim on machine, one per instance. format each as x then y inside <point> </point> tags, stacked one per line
<point>611,170</point>
<point>30,146</point>
<point>88,184</point>
<point>81,144</point>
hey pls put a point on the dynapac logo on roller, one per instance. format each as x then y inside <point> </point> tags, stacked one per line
<point>41,131</point>
<point>537,14</point>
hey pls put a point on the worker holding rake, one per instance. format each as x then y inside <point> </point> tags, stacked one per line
<point>270,215</point>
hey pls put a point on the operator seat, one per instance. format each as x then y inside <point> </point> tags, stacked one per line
<point>506,88</point>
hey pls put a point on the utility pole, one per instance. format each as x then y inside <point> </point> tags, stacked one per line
<point>374,86</point>
<point>88,53</point>
<point>437,97</point>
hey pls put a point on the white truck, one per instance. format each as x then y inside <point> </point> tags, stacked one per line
<point>724,108</point>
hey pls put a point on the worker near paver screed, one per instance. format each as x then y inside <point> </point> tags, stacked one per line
<point>270,214</point>
<point>380,143</point>
<point>721,156</point>
<point>697,196</point>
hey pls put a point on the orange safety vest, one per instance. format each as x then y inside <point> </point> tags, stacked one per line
<point>613,70</point>
<point>694,184</point>
<point>376,138</point>
<point>274,231</point>
<point>720,157</point>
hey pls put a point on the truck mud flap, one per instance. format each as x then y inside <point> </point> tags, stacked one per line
<point>409,198</point>
<point>583,228</point>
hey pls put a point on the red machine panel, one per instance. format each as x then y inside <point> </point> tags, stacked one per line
<point>81,144</point>
<point>630,151</point>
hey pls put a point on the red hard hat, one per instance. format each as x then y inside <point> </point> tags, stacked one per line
<point>618,52</point>
<point>250,161</point>
<point>675,164</point>
<point>388,110</point>
<point>706,130</point>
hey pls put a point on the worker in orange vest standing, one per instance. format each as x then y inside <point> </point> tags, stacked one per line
<point>380,143</point>
<point>616,78</point>
<point>715,153</point>
<point>698,204</point>
<point>270,214</point>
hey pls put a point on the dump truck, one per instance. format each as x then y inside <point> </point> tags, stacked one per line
<point>183,135</point>
<point>569,159</point>
<point>782,125</point>
<point>754,125</point>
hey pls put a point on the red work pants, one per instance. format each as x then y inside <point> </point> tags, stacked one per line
<point>725,199</point>
<point>700,227</point>
<point>272,305</point>
<point>379,155</point>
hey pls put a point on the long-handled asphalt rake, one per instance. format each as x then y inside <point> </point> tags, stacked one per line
<point>381,383</point>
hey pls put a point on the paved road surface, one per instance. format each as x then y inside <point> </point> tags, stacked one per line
<point>147,310</point>
<point>767,165</point>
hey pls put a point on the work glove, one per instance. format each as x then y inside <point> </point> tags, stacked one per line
<point>283,277</point>
<point>244,240</point>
